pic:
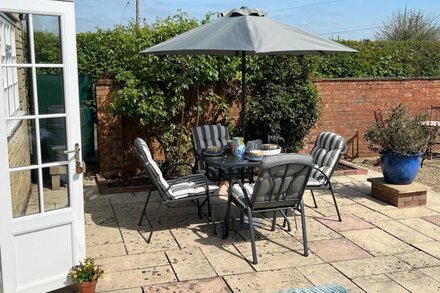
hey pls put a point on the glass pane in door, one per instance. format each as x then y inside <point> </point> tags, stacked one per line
<point>56,189</point>
<point>21,143</point>
<point>25,193</point>
<point>53,139</point>
<point>50,91</point>
<point>47,39</point>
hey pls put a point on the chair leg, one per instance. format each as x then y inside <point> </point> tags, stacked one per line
<point>274,220</point>
<point>211,213</point>
<point>199,211</point>
<point>252,235</point>
<point>314,199</point>
<point>145,207</point>
<point>225,232</point>
<point>155,222</point>
<point>286,220</point>
<point>334,200</point>
<point>304,230</point>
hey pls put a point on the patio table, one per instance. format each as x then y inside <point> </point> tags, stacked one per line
<point>229,162</point>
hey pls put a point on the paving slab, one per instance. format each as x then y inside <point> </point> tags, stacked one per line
<point>377,242</point>
<point>433,272</point>
<point>135,241</point>
<point>268,281</point>
<point>371,266</point>
<point>315,231</point>
<point>131,290</point>
<point>425,227</point>
<point>348,223</point>
<point>133,262</point>
<point>402,231</point>
<point>373,217</point>
<point>281,244</point>
<point>334,250</point>
<point>412,280</point>
<point>198,235</point>
<point>212,285</point>
<point>432,248</point>
<point>419,259</point>
<point>226,260</point>
<point>379,284</point>
<point>325,274</point>
<point>414,212</point>
<point>344,210</point>
<point>106,250</point>
<point>281,260</point>
<point>102,235</point>
<point>433,219</point>
<point>135,278</point>
<point>190,264</point>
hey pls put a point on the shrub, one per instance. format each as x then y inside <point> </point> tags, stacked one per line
<point>284,104</point>
<point>399,133</point>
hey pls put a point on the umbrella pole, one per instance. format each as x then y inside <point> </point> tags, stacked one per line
<point>243,94</point>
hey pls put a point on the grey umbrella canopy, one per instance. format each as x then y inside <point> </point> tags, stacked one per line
<point>247,31</point>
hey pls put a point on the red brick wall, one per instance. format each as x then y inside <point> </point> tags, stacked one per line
<point>348,104</point>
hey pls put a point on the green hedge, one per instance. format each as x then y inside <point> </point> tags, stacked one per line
<point>381,59</point>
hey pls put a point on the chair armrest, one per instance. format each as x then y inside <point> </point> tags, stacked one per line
<point>327,179</point>
<point>245,192</point>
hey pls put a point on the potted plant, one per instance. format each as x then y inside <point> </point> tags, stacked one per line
<point>400,140</point>
<point>86,274</point>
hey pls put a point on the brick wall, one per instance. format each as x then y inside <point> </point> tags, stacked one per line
<point>19,141</point>
<point>348,104</point>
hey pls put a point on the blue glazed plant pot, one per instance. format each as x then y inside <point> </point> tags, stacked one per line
<point>400,169</point>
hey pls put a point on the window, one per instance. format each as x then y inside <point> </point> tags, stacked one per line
<point>8,55</point>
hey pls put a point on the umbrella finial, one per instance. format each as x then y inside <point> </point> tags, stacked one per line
<point>244,11</point>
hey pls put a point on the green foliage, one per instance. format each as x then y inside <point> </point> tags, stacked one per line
<point>86,271</point>
<point>166,94</point>
<point>410,24</point>
<point>47,50</point>
<point>381,59</point>
<point>399,133</point>
<point>285,104</point>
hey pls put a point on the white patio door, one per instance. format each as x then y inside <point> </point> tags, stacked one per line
<point>41,195</point>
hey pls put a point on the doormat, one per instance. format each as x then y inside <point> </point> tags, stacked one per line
<point>333,288</point>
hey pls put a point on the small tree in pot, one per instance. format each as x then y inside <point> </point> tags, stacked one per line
<point>400,140</point>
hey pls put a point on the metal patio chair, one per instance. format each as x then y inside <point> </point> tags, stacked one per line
<point>280,186</point>
<point>204,136</point>
<point>213,135</point>
<point>193,187</point>
<point>326,154</point>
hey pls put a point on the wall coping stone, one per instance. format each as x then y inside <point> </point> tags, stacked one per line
<point>357,79</point>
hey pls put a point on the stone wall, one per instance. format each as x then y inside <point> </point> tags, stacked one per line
<point>348,106</point>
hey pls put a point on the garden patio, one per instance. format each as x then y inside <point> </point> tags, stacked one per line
<point>376,248</point>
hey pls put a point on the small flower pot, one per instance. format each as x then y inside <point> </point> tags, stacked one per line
<point>400,169</point>
<point>87,287</point>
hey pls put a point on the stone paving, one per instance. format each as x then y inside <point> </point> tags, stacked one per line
<point>376,248</point>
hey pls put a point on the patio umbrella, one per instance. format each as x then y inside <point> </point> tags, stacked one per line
<point>246,31</point>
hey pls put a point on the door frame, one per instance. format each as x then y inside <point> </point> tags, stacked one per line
<point>74,214</point>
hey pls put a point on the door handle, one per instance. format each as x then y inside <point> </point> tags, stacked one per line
<point>79,168</point>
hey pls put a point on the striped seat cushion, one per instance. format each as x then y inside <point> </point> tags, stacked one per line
<point>182,187</point>
<point>238,194</point>
<point>190,185</point>
<point>208,135</point>
<point>326,154</point>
